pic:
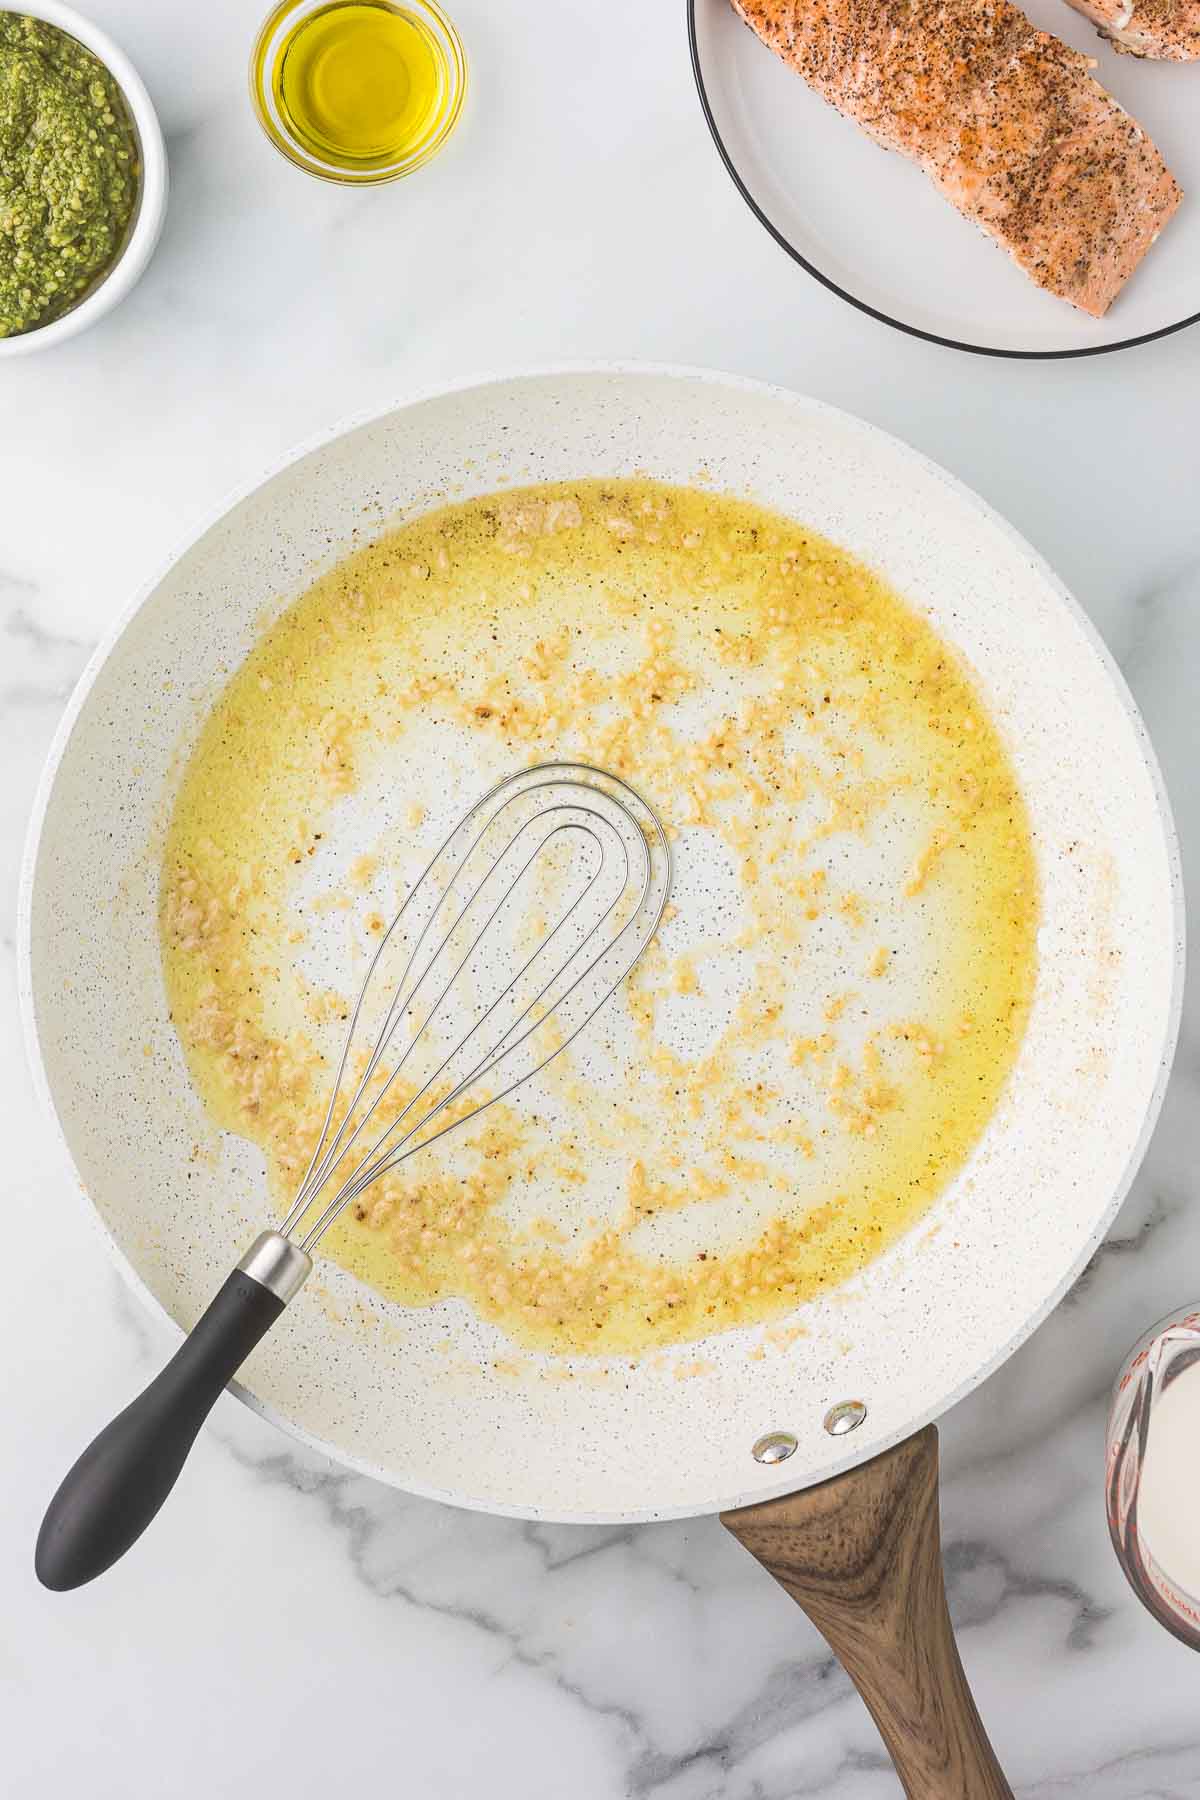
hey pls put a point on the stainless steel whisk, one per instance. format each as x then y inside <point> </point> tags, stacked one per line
<point>467,997</point>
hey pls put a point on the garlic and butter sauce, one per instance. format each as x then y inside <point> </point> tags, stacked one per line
<point>816,1039</point>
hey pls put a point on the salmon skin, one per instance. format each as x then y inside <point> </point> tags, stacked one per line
<point>1169,29</point>
<point>1004,119</point>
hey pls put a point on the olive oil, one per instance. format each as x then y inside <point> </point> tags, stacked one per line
<point>364,85</point>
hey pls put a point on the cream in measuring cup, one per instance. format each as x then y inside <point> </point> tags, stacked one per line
<point>1153,1471</point>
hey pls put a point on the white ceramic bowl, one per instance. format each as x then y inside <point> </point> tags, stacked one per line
<point>152,192</point>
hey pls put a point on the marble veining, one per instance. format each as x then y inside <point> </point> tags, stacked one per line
<point>288,1628</point>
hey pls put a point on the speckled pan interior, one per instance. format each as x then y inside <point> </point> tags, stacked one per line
<point>368,1380</point>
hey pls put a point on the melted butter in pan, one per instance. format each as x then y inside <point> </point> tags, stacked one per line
<point>824,1025</point>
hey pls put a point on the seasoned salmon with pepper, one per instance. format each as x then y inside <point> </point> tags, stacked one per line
<point>1169,29</point>
<point>1004,119</point>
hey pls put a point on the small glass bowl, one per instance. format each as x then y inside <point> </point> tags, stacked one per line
<point>275,31</point>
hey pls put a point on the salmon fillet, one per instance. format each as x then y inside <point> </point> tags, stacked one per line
<point>1169,29</point>
<point>1004,119</point>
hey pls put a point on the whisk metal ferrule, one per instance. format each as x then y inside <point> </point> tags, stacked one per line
<point>277,1264</point>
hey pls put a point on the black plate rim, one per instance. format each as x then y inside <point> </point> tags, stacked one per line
<point>863,306</point>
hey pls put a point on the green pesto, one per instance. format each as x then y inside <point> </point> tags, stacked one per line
<point>68,172</point>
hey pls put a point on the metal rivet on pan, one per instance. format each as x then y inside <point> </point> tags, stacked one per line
<point>846,1416</point>
<point>776,1447</point>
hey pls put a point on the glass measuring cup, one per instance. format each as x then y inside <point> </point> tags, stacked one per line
<point>1153,1471</point>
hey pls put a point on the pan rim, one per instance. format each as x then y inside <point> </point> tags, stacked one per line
<point>425,394</point>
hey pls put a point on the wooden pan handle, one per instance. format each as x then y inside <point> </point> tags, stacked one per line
<point>862,1555</point>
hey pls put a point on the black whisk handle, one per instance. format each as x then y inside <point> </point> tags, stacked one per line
<point>114,1490</point>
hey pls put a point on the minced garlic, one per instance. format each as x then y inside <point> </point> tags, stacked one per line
<point>764,1121</point>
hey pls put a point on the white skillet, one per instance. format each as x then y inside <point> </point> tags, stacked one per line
<point>366,1381</point>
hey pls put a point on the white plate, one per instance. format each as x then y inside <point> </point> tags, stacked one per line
<point>870,226</point>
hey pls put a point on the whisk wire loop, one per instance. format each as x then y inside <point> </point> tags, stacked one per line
<point>596,939</point>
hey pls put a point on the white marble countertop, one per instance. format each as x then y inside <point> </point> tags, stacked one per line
<point>287,1628</point>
